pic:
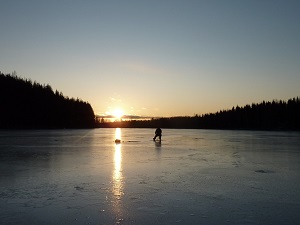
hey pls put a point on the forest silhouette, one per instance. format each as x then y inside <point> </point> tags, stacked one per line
<point>275,115</point>
<point>30,105</point>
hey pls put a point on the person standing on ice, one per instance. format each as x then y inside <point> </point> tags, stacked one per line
<point>158,133</point>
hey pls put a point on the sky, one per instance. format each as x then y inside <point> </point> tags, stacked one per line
<point>156,58</point>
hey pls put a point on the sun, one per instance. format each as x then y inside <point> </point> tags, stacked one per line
<point>118,113</point>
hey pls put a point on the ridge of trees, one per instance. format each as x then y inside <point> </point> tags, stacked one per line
<point>29,105</point>
<point>275,115</point>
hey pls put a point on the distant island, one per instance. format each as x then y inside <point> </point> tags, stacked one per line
<point>30,105</point>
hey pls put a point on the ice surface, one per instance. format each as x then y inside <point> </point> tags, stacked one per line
<point>190,177</point>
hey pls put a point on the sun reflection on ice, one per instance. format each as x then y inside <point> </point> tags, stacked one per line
<point>117,175</point>
<point>118,179</point>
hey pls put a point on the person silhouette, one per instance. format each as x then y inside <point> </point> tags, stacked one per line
<point>158,133</point>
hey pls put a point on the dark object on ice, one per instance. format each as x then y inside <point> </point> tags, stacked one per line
<point>260,171</point>
<point>158,133</point>
<point>264,171</point>
<point>117,141</point>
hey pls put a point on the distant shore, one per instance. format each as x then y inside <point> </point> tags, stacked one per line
<point>30,105</point>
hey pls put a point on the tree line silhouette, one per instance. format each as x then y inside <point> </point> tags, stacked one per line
<point>29,105</point>
<point>275,115</point>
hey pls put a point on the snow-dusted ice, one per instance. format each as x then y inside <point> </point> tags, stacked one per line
<point>190,177</point>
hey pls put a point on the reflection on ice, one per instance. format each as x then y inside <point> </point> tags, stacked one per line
<point>117,188</point>
<point>118,136</point>
<point>117,175</point>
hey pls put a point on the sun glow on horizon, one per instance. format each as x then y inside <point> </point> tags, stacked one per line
<point>118,113</point>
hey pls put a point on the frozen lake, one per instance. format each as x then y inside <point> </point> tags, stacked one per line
<point>190,177</point>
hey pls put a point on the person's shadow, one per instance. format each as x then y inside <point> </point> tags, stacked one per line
<point>158,147</point>
<point>157,144</point>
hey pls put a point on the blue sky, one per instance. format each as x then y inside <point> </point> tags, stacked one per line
<point>156,58</point>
